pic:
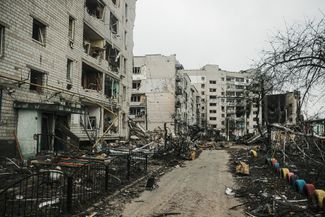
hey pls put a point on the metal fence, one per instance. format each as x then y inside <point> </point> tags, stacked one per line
<point>53,192</point>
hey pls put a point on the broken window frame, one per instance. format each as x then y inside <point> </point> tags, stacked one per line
<point>39,77</point>
<point>113,23</point>
<point>39,31</point>
<point>87,82</point>
<point>135,98</point>
<point>93,43</point>
<point>137,111</point>
<point>2,40</point>
<point>113,58</point>
<point>91,123</point>
<point>125,61</point>
<point>136,84</point>
<point>111,87</point>
<point>126,8</point>
<point>98,11</point>
<point>136,70</point>
<point>125,40</point>
<point>71,29</point>
<point>69,70</point>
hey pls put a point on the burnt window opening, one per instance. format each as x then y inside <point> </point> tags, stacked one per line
<point>39,31</point>
<point>71,32</point>
<point>94,44</point>
<point>2,40</point>
<point>36,81</point>
<point>113,23</point>
<point>92,79</point>
<point>136,85</point>
<point>95,8</point>
<point>124,93</point>
<point>111,87</point>
<point>113,58</point>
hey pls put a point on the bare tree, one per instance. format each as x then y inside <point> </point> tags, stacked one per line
<point>297,58</point>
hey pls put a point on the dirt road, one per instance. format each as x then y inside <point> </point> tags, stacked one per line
<point>196,190</point>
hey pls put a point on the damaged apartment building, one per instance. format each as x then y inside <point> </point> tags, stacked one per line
<point>65,70</point>
<point>161,95</point>
<point>224,106</point>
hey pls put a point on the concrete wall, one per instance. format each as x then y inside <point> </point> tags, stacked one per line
<point>157,78</point>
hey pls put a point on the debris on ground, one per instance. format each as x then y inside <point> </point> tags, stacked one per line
<point>265,193</point>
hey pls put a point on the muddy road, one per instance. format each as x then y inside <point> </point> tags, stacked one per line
<point>196,190</point>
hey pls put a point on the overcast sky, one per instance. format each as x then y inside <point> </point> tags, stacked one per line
<point>229,33</point>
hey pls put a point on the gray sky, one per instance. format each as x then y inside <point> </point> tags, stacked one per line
<point>230,33</point>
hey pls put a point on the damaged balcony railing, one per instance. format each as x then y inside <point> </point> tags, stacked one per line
<point>55,192</point>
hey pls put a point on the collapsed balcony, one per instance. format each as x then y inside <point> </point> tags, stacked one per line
<point>92,79</point>
<point>95,8</point>
<point>94,44</point>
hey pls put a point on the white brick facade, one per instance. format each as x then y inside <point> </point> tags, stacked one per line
<point>22,54</point>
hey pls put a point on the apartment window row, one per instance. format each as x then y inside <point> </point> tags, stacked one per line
<point>213,82</point>
<point>39,31</point>
<point>213,90</point>
<point>213,104</point>
<point>213,118</point>
<point>213,111</point>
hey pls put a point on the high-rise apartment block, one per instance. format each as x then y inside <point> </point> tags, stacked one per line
<point>224,103</point>
<point>65,72</point>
